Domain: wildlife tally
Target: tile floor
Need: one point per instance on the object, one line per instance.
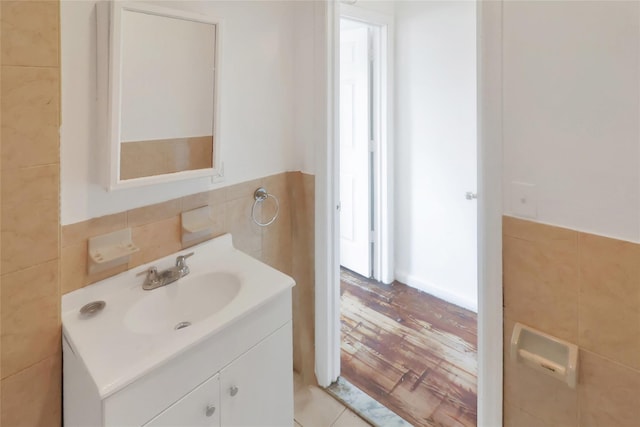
(313, 407)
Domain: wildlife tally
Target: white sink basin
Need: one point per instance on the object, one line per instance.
(182, 303)
(136, 331)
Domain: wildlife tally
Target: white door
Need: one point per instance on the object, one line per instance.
(355, 221)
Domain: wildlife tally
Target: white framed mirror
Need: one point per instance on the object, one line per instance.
(161, 90)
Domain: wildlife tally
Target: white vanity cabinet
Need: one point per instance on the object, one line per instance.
(135, 363)
(240, 376)
(201, 407)
(253, 390)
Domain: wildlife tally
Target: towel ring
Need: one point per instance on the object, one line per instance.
(260, 195)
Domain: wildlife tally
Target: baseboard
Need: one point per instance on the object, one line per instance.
(437, 291)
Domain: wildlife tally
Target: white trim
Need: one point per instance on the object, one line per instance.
(489, 30)
(437, 291)
(366, 16)
(327, 296)
(109, 74)
(385, 193)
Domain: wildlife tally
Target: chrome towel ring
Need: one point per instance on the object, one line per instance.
(260, 195)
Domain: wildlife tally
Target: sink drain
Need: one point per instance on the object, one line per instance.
(92, 308)
(182, 325)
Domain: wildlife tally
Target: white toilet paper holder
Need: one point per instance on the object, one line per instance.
(545, 353)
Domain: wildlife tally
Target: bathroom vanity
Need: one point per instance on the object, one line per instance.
(211, 349)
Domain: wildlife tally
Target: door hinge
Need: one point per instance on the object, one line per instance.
(372, 236)
(372, 146)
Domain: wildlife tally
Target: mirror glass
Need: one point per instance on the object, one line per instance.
(167, 93)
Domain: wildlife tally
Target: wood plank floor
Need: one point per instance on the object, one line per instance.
(412, 352)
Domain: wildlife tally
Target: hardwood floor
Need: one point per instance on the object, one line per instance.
(412, 352)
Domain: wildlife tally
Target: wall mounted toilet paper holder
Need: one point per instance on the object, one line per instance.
(545, 353)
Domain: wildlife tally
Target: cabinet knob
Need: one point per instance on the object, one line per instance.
(210, 410)
(233, 390)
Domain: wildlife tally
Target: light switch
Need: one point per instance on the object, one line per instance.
(524, 201)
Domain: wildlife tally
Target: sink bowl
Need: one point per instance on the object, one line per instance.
(182, 303)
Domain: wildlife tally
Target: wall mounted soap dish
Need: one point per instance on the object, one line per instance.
(110, 250)
(197, 220)
(197, 224)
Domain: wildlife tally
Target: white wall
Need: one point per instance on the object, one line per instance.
(436, 226)
(571, 111)
(256, 105)
(385, 7)
(307, 89)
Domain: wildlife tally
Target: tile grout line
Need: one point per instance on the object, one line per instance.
(44, 359)
(344, 408)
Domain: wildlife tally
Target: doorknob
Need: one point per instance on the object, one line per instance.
(210, 410)
(470, 195)
(233, 390)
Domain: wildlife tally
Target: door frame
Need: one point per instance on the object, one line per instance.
(382, 177)
(327, 294)
(327, 191)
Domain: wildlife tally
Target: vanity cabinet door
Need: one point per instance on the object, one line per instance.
(201, 407)
(257, 388)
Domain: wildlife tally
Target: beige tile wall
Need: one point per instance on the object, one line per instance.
(302, 191)
(287, 244)
(156, 229)
(585, 289)
(0, 216)
(29, 194)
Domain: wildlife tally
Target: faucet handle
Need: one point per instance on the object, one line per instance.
(151, 272)
(181, 259)
(181, 264)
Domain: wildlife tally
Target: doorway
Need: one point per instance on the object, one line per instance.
(489, 50)
(365, 175)
(357, 145)
(432, 267)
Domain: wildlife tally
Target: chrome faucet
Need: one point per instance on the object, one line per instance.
(156, 280)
